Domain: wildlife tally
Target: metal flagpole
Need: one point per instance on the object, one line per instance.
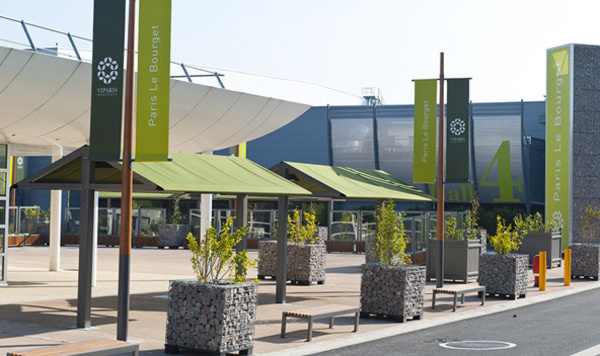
(126, 187)
(439, 276)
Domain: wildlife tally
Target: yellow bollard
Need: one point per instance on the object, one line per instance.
(542, 270)
(567, 267)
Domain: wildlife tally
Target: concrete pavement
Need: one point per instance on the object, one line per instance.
(38, 307)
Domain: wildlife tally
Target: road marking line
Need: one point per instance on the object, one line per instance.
(592, 351)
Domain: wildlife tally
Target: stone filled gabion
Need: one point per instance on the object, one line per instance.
(504, 274)
(585, 260)
(172, 234)
(210, 317)
(304, 262)
(267, 258)
(393, 291)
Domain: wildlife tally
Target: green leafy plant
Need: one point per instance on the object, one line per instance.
(506, 240)
(450, 230)
(214, 260)
(30, 213)
(302, 233)
(533, 223)
(590, 224)
(391, 238)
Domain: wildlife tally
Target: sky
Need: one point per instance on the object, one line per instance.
(326, 51)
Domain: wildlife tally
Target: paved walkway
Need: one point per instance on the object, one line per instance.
(38, 307)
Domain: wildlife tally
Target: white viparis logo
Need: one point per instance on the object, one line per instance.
(557, 216)
(457, 126)
(108, 70)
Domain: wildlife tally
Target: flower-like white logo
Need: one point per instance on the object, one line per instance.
(457, 126)
(108, 70)
(558, 218)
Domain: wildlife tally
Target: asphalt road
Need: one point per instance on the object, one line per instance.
(563, 326)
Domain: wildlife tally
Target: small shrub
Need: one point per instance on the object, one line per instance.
(533, 223)
(391, 238)
(506, 239)
(302, 233)
(213, 258)
(450, 230)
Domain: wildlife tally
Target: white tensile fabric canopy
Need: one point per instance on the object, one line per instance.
(45, 102)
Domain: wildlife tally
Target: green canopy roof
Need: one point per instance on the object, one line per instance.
(349, 183)
(184, 173)
(188, 172)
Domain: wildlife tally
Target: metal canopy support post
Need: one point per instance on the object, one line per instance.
(84, 291)
(241, 220)
(281, 276)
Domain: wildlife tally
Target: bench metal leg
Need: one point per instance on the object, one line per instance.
(455, 297)
(462, 298)
(331, 322)
(283, 322)
(483, 297)
(356, 321)
(310, 329)
(433, 303)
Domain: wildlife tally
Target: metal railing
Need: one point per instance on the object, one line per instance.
(83, 52)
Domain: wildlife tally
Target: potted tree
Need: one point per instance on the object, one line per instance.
(174, 232)
(539, 237)
(216, 312)
(306, 255)
(390, 288)
(306, 252)
(504, 273)
(585, 256)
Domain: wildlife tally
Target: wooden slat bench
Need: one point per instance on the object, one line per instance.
(319, 312)
(96, 347)
(460, 290)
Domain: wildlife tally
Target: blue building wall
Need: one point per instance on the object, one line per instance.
(305, 140)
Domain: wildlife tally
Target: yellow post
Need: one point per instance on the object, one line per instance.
(567, 267)
(542, 270)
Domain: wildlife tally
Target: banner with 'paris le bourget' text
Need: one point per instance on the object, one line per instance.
(425, 137)
(153, 81)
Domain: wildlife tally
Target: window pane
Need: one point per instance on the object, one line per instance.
(3, 156)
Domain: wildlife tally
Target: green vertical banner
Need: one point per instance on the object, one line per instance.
(425, 133)
(153, 81)
(558, 137)
(457, 131)
(106, 109)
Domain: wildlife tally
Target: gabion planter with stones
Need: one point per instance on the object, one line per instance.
(306, 263)
(504, 275)
(211, 318)
(394, 292)
(172, 235)
(585, 261)
(267, 259)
